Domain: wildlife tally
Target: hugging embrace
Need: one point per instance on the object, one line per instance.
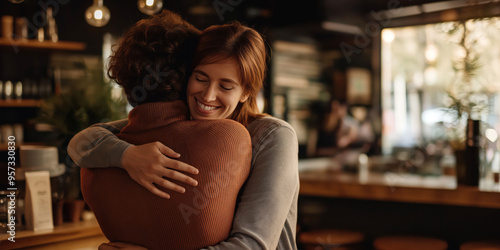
(195, 165)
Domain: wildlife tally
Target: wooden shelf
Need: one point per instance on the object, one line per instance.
(4, 147)
(65, 232)
(45, 45)
(23, 103)
(440, 190)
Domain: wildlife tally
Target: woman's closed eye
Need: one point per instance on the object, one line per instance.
(201, 79)
(227, 88)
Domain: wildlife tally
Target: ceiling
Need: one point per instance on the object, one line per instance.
(298, 17)
(285, 12)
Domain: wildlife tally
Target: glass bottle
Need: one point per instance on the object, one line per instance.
(51, 26)
(472, 150)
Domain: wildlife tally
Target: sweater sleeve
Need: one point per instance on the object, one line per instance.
(97, 146)
(270, 193)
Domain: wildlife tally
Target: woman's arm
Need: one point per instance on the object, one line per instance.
(97, 146)
(269, 197)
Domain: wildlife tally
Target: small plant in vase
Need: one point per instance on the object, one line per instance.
(468, 100)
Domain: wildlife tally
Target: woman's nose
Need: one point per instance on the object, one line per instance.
(209, 94)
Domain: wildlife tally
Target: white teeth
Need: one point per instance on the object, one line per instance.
(204, 107)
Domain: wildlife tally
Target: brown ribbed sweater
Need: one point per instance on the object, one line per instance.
(126, 211)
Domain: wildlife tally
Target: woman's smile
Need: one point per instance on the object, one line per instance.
(214, 90)
(205, 107)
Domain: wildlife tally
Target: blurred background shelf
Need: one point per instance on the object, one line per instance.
(24, 103)
(4, 147)
(45, 45)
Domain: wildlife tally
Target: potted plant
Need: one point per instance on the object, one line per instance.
(77, 107)
(468, 100)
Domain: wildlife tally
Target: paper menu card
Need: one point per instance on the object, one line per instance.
(38, 201)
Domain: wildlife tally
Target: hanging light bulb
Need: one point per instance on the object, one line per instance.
(97, 15)
(150, 7)
(16, 1)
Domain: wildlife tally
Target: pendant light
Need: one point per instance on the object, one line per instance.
(97, 15)
(150, 7)
(16, 1)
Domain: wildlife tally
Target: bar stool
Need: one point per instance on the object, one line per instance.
(409, 243)
(332, 239)
(481, 245)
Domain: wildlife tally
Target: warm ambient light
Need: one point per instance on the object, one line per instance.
(97, 15)
(342, 27)
(459, 53)
(388, 36)
(150, 7)
(430, 75)
(431, 53)
(491, 134)
(437, 115)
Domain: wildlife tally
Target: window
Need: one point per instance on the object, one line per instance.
(423, 68)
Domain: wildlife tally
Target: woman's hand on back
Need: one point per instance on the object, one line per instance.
(149, 163)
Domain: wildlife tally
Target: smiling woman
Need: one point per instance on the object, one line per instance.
(232, 53)
(214, 90)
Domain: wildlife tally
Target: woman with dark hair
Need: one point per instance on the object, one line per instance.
(229, 69)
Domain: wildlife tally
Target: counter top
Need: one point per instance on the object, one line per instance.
(394, 187)
(65, 232)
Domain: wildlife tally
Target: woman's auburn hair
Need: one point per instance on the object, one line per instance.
(151, 59)
(247, 48)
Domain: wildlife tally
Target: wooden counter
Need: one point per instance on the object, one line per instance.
(395, 187)
(87, 232)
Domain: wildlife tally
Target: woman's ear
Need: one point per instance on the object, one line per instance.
(244, 98)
